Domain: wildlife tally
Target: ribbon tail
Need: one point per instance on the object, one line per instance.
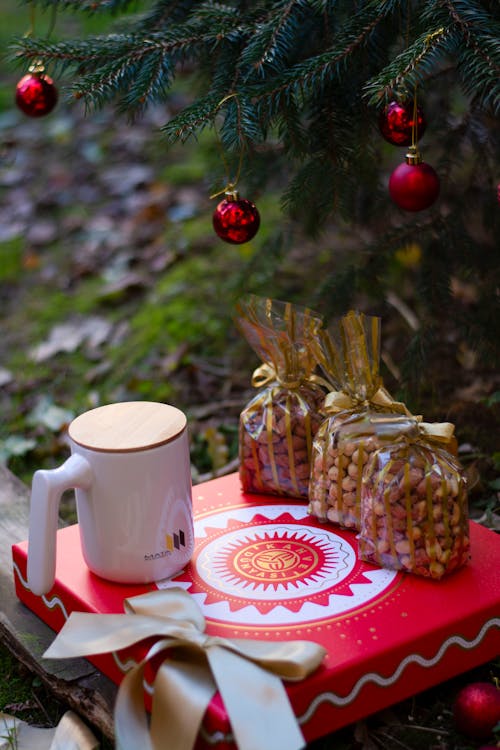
(131, 723)
(256, 702)
(182, 692)
(73, 734)
(85, 633)
(70, 734)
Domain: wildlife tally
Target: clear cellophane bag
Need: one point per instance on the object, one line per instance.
(349, 356)
(414, 512)
(277, 426)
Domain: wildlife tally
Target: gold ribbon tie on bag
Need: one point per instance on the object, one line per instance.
(337, 401)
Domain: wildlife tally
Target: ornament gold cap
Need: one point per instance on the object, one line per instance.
(37, 67)
(413, 157)
(231, 194)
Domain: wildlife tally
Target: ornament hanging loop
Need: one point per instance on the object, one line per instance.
(37, 67)
(229, 190)
(413, 156)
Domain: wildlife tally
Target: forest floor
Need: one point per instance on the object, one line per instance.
(113, 287)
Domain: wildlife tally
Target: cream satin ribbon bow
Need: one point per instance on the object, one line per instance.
(247, 673)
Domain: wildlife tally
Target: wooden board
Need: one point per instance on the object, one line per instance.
(73, 681)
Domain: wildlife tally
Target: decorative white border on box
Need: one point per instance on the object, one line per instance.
(328, 697)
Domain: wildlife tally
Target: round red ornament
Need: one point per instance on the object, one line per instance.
(236, 220)
(36, 94)
(477, 710)
(414, 185)
(396, 123)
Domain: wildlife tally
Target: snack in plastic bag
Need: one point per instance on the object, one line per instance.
(340, 455)
(349, 355)
(414, 513)
(278, 425)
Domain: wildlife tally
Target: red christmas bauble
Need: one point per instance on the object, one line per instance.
(236, 220)
(414, 186)
(477, 709)
(396, 123)
(36, 94)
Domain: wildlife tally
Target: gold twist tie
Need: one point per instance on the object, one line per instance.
(247, 673)
(437, 432)
(337, 401)
(266, 374)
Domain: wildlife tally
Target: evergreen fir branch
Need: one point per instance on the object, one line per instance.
(470, 16)
(152, 81)
(97, 89)
(419, 61)
(166, 12)
(63, 54)
(222, 63)
(316, 190)
(291, 132)
(415, 361)
(276, 39)
(321, 6)
(336, 292)
(240, 126)
(217, 13)
(192, 119)
(479, 82)
(480, 35)
(313, 73)
(89, 6)
(104, 60)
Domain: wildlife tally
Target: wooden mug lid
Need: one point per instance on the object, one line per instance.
(127, 426)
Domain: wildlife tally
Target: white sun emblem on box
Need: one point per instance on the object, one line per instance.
(273, 566)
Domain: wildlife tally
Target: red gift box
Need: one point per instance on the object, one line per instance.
(263, 568)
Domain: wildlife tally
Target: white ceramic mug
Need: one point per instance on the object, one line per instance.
(130, 469)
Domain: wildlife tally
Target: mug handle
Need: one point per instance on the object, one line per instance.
(46, 490)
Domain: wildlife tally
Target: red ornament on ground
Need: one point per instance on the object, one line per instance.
(36, 94)
(414, 185)
(396, 123)
(477, 710)
(236, 220)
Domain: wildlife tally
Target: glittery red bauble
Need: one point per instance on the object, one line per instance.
(414, 186)
(36, 94)
(477, 710)
(396, 123)
(236, 221)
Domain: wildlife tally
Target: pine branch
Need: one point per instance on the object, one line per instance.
(478, 55)
(318, 69)
(165, 12)
(88, 6)
(192, 119)
(277, 38)
(419, 61)
(481, 83)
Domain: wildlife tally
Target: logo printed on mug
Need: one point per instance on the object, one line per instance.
(131, 472)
